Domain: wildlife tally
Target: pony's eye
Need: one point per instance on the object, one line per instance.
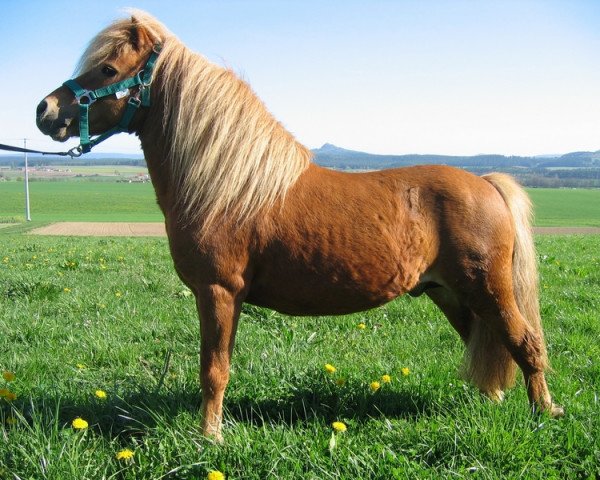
(108, 71)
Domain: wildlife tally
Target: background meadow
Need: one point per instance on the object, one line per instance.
(88, 314)
(105, 200)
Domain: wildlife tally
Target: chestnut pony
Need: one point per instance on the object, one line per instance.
(250, 218)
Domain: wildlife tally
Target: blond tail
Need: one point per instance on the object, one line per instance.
(525, 271)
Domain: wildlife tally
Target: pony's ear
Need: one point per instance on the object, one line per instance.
(138, 35)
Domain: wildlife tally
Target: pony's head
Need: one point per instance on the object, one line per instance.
(117, 53)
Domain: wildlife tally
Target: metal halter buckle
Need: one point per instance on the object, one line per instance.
(140, 79)
(75, 151)
(135, 100)
(89, 95)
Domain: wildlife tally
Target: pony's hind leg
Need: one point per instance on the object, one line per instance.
(502, 327)
(487, 362)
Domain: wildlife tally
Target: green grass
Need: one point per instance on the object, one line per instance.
(129, 320)
(566, 207)
(81, 201)
(123, 202)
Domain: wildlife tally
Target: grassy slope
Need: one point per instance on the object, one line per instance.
(125, 312)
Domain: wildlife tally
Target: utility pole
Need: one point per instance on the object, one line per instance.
(27, 212)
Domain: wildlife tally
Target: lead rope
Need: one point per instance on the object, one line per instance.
(71, 153)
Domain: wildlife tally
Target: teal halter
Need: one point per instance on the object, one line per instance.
(85, 98)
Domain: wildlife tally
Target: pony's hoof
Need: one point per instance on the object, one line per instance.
(553, 410)
(216, 438)
(496, 396)
(556, 411)
(213, 433)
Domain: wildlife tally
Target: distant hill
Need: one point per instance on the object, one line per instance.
(335, 157)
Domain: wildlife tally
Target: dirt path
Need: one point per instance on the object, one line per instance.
(567, 230)
(113, 229)
(102, 229)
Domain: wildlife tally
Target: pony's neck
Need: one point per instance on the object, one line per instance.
(212, 147)
(153, 146)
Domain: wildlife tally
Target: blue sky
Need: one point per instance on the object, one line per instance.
(448, 76)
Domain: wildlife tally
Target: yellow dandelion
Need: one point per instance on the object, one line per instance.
(386, 379)
(66, 290)
(81, 366)
(79, 424)
(361, 326)
(5, 260)
(215, 475)
(8, 376)
(330, 368)
(118, 294)
(8, 395)
(125, 454)
(101, 394)
(374, 386)
(405, 371)
(102, 267)
(339, 426)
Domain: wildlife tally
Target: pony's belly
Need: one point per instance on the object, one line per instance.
(323, 296)
(308, 306)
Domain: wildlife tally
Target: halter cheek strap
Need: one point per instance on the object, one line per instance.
(85, 98)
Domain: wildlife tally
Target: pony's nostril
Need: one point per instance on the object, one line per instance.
(41, 108)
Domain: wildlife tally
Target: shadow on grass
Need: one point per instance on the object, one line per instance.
(136, 413)
(323, 406)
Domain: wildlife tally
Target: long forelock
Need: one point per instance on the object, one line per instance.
(115, 39)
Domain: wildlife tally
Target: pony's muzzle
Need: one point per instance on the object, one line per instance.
(49, 121)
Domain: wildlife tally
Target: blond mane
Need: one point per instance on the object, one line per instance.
(227, 155)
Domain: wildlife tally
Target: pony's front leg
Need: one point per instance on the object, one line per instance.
(219, 311)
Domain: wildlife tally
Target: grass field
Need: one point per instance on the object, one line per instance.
(123, 202)
(80, 315)
(566, 207)
(81, 201)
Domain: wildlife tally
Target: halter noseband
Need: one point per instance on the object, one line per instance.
(85, 98)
